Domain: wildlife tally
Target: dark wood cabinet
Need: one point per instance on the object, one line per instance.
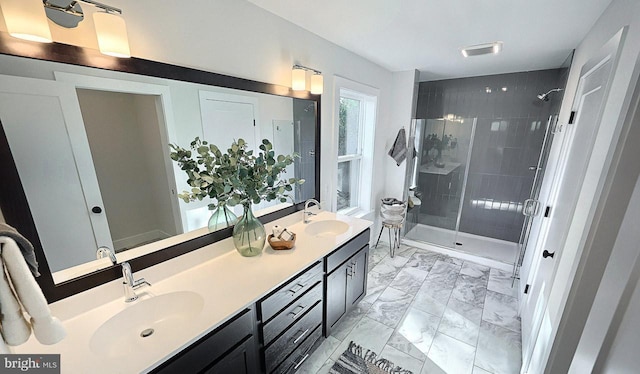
(346, 281)
(241, 360)
(336, 297)
(230, 345)
(357, 277)
(291, 321)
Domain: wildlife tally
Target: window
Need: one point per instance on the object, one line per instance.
(349, 151)
(355, 127)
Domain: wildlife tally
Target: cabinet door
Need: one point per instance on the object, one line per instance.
(336, 295)
(357, 277)
(242, 360)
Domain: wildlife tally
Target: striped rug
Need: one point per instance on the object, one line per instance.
(356, 361)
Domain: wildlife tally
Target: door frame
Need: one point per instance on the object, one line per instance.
(165, 119)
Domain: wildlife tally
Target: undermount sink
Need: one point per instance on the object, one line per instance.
(330, 227)
(152, 322)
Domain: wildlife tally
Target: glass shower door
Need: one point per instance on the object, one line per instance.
(438, 178)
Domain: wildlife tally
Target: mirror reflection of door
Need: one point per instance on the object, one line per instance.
(123, 131)
(58, 185)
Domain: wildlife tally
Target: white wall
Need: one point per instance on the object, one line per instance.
(593, 230)
(404, 91)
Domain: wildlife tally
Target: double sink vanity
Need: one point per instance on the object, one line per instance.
(214, 311)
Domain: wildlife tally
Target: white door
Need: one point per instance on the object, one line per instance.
(45, 131)
(225, 118)
(574, 154)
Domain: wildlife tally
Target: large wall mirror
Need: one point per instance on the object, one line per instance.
(86, 140)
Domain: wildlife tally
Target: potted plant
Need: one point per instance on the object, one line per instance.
(238, 176)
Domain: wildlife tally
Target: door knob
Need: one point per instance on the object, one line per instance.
(546, 254)
(96, 209)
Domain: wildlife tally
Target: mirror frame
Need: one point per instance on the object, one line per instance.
(13, 201)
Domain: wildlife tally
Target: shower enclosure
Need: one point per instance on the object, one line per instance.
(481, 146)
(438, 178)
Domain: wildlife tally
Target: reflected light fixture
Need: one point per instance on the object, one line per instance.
(26, 19)
(299, 79)
(482, 49)
(112, 34)
(110, 27)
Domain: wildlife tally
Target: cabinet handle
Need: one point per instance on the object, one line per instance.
(355, 267)
(294, 314)
(301, 361)
(300, 337)
(295, 290)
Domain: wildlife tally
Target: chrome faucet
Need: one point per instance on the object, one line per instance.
(308, 213)
(130, 284)
(106, 252)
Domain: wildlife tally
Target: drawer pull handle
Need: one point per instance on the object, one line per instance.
(300, 337)
(295, 290)
(301, 361)
(295, 312)
(355, 267)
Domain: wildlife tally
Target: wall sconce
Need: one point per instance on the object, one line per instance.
(299, 79)
(27, 19)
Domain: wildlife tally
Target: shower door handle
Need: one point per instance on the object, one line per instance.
(531, 207)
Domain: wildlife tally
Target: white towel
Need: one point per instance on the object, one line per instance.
(47, 329)
(15, 329)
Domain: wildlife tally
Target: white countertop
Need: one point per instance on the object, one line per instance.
(227, 282)
(432, 169)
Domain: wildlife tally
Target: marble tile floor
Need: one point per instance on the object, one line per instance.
(431, 313)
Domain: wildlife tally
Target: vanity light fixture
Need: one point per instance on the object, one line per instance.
(482, 49)
(27, 19)
(299, 79)
(317, 83)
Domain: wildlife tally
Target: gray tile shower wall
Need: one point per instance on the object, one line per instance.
(304, 133)
(511, 123)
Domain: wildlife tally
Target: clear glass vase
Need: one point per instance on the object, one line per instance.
(221, 218)
(249, 234)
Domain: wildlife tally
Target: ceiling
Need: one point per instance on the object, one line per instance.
(428, 34)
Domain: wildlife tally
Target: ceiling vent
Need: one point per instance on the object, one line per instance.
(482, 49)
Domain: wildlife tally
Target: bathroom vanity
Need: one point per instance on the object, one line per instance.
(214, 311)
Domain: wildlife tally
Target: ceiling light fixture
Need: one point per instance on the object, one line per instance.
(27, 19)
(482, 49)
(299, 79)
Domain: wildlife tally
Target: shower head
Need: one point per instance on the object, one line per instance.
(545, 96)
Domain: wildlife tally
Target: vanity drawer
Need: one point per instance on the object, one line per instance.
(293, 337)
(292, 313)
(300, 355)
(343, 253)
(290, 291)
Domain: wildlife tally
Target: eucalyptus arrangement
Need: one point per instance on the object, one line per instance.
(238, 176)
